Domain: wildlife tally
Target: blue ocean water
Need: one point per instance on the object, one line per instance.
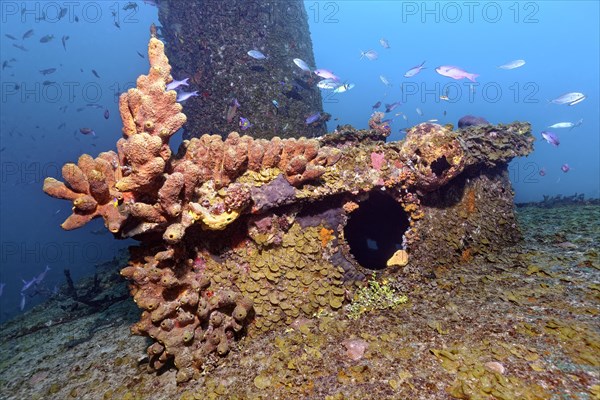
(39, 124)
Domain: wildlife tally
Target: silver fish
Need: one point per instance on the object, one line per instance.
(42, 275)
(343, 88)
(370, 55)
(562, 125)
(27, 285)
(183, 96)
(328, 84)
(302, 65)
(569, 125)
(570, 98)
(175, 84)
(257, 55)
(385, 81)
(512, 64)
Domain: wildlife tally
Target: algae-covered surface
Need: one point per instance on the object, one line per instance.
(521, 324)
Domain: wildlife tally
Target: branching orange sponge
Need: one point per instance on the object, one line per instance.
(90, 185)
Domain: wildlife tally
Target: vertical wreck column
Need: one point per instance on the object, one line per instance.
(209, 40)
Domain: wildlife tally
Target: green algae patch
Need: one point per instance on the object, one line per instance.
(374, 296)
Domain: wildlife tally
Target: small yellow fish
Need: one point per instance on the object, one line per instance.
(115, 202)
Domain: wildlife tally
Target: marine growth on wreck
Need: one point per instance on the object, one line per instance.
(241, 235)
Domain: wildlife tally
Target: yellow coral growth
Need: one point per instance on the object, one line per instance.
(399, 259)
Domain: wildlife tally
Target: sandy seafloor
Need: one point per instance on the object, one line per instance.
(532, 311)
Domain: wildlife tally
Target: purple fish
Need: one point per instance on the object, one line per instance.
(414, 70)
(376, 105)
(455, 73)
(175, 84)
(313, 118)
(27, 34)
(542, 172)
(390, 107)
(106, 114)
(244, 123)
(64, 41)
(183, 96)
(551, 138)
(471, 120)
(87, 131)
(2, 287)
(327, 74)
(565, 168)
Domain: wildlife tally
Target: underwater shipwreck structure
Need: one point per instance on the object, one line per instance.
(238, 236)
(208, 42)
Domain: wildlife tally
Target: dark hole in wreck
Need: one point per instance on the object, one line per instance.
(374, 232)
(440, 165)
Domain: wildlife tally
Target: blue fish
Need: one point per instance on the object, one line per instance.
(551, 138)
(313, 118)
(471, 120)
(390, 107)
(244, 123)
